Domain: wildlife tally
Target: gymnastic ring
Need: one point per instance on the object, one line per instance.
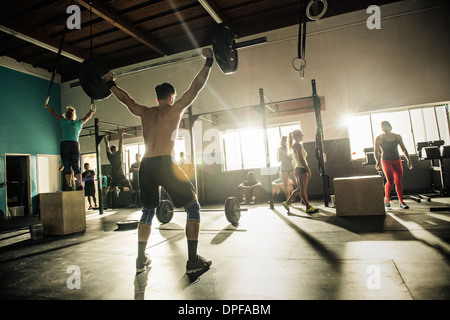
(302, 66)
(320, 15)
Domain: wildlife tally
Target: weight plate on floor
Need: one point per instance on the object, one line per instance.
(232, 212)
(164, 213)
(127, 224)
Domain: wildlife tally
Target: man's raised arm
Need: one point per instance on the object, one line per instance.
(121, 142)
(105, 137)
(198, 83)
(123, 96)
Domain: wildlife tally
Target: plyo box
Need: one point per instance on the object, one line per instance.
(63, 212)
(359, 196)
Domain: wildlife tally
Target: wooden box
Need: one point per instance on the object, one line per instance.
(362, 195)
(63, 212)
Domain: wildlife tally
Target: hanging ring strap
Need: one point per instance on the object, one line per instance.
(90, 27)
(302, 32)
(301, 54)
(301, 68)
(93, 105)
(320, 15)
(302, 64)
(50, 87)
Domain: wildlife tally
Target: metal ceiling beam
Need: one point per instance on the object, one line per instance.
(214, 11)
(42, 40)
(123, 24)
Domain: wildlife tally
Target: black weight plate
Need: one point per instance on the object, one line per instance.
(127, 224)
(90, 74)
(223, 45)
(231, 213)
(164, 213)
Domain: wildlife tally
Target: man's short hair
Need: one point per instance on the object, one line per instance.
(164, 90)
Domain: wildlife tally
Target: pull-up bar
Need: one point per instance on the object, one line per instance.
(115, 124)
(131, 132)
(316, 105)
(266, 104)
(99, 167)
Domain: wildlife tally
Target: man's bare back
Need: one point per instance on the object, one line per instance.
(160, 129)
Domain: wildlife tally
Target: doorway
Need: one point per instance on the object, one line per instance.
(18, 185)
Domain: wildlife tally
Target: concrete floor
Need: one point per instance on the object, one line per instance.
(270, 255)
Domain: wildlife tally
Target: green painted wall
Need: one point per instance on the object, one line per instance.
(25, 126)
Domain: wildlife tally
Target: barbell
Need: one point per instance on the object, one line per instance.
(91, 73)
(165, 211)
(224, 45)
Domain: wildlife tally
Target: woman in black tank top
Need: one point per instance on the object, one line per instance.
(388, 143)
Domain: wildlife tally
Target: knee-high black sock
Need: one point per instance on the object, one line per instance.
(192, 249)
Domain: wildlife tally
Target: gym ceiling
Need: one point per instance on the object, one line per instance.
(125, 32)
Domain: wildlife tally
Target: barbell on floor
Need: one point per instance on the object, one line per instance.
(165, 211)
(91, 71)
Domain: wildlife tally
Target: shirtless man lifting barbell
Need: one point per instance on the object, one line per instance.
(157, 169)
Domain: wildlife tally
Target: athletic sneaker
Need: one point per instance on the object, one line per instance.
(286, 205)
(197, 268)
(142, 264)
(312, 210)
(387, 203)
(404, 206)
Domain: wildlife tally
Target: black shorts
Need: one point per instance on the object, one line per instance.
(120, 182)
(299, 171)
(70, 156)
(89, 191)
(162, 172)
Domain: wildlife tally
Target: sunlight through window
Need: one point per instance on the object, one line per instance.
(360, 132)
(232, 150)
(245, 149)
(253, 150)
(414, 125)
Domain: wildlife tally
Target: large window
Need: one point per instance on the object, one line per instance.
(245, 148)
(242, 149)
(414, 125)
(400, 123)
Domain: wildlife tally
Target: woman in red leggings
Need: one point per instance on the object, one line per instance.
(388, 143)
